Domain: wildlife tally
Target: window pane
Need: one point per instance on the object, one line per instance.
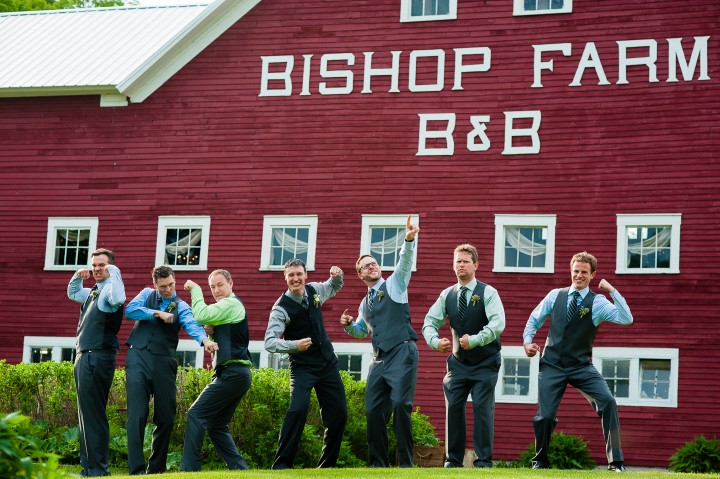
(67, 354)
(185, 358)
(385, 244)
(288, 243)
(278, 361)
(71, 247)
(255, 359)
(655, 378)
(516, 376)
(525, 247)
(351, 363)
(617, 376)
(182, 246)
(41, 355)
(649, 247)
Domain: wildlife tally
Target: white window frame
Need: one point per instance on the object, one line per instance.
(537, 221)
(518, 352)
(635, 355)
(363, 348)
(165, 222)
(294, 221)
(406, 8)
(519, 9)
(385, 221)
(60, 223)
(192, 345)
(648, 220)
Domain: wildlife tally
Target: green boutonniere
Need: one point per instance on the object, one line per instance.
(170, 307)
(475, 299)
(93, 294)
(380, 296)
(583, 312)
(316, 300)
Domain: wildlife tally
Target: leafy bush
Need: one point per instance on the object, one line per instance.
(701, 455)
(566, 451)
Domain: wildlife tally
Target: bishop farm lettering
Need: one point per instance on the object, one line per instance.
(435, 130)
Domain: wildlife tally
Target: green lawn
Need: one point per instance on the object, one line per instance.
(415, 473)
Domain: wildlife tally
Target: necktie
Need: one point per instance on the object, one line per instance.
(572, 307)
(305, 302)
(462, 302)
(370, 298)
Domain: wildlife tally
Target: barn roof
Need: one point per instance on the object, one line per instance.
(121, 53)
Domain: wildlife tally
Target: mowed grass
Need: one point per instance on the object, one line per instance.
(417, 473)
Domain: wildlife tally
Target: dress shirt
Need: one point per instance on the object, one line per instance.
(397, 288)
(602, 310)
(111, 290)
(226, 311)
(494, 311)
(137, 311)
(279, 317)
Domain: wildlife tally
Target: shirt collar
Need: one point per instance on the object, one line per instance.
(471, 285)
(583, 292)
(377, 285)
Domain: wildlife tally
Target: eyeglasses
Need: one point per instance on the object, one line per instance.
(368, 265)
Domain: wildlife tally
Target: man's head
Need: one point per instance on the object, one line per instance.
(221, 284)
(295, 276)
(582, 269)
(101, 258)
(164, 281)
(465, 262)
(368, 269)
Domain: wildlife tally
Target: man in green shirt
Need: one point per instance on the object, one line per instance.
(214, 408)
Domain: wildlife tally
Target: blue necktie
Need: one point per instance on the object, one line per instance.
(462, 302)
(572, 307)
(370, 298)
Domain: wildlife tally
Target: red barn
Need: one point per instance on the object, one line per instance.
(242, 133)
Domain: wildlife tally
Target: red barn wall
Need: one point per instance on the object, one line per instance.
(205, 143)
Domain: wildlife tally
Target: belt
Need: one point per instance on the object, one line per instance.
(104, 350)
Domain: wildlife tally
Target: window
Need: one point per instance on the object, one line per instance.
(541, 7)
(382, 236)
(288, 237)
(182, 242)
(69, 243)
(524, 244)
(427, 10)
(352, 363)
(517, 381)
(39, 349)
(640, 377)
(648, 244)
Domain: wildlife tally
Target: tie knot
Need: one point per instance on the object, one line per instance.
(463, 289)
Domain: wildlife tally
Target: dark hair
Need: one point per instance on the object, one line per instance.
(291, 263)
(106, 252)
(163, 271)
(584, 257)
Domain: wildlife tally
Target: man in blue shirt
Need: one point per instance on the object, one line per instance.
(151, 366)
(97, 346)
(575, 314)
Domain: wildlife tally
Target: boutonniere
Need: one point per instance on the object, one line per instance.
(475, 298)
(380, 296)
(316, 300)
(583, 312)
(170, 307)
(93, 294)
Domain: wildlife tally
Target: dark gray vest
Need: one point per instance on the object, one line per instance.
(97, 329)
(307, 324)
(569, 343)
(155, 334)
(475, 319)
(389, 321)
(232, 340)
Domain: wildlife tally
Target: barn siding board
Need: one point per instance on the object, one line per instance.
(205, 143)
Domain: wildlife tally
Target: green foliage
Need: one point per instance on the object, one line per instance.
(700, 455)
(46, 393)
(566, 451)
(28, 5)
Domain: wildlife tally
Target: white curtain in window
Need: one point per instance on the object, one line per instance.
(289, 242)
(523, 243)
(75, 236)
(650, 245)
(183, 245)
(382, 247)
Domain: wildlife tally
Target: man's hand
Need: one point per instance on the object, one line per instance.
(84, 273)
(605, 287)
(335, 272)
(345, 319)
(210, 346)
(190, 284)
(444, 345)
(411, 230)
(209, 330)
(164, 317)
(304, 344)
(531, 349)
(465, 342)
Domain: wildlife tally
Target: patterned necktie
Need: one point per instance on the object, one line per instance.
(370, 298)
(462, 302)
(572, 307)
(305, 302)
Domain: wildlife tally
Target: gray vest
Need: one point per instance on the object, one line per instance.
(97, 329)
(473, 322)
(569, 343)
(389, 321)
(154, 334)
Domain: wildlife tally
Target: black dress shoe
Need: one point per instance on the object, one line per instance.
(540, 465)
(449, 464)
(616, 467)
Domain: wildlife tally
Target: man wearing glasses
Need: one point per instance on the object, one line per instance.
(390, 389)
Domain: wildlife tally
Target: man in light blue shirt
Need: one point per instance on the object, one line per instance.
(575, 314)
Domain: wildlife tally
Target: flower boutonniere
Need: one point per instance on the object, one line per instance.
(380, 296)
(316, 300)
(170, 307)
(93, 294)
(583, 312)
(475, 298)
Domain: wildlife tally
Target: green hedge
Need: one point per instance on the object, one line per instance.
(46, 393)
